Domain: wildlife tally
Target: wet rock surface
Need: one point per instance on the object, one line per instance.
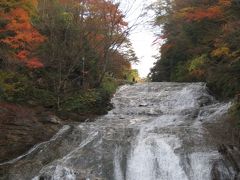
(21, 128)
(156, 131)
(229, 166)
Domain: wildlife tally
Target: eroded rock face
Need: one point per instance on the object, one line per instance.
(21, 128)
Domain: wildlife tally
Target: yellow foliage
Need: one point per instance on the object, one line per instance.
(197, 62)
(219, 52)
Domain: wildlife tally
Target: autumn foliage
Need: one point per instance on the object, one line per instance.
(198, 14)
(20, 35)
(66, 55)
(201, 43)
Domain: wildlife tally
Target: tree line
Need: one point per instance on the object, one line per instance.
(67, 55)
(200, 42)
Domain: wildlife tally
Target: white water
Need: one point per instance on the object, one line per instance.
(153, 158)
(156, 131)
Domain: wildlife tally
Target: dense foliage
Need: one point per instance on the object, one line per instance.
(201, 42)
(63, 54)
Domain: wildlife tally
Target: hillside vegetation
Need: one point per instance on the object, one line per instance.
(64, 55)
(201, 42)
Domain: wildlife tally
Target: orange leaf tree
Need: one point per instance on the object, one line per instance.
(18, 35)
(110, 31)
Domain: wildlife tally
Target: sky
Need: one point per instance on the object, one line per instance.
(142, 44)
(143, 36)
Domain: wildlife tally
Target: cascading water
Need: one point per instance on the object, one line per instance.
(156, 131)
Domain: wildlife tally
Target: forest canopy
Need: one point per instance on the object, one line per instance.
(63, 54)
(201, 43)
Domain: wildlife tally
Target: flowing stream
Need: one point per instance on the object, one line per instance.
(156, 131)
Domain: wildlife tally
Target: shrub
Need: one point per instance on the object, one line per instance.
(43, 97)
(13, 86)
(82, 102)
(109, 85)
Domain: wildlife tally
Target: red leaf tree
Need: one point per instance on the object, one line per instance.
(19, 35)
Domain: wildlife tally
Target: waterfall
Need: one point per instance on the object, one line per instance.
(156, 131)
(153, 158)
